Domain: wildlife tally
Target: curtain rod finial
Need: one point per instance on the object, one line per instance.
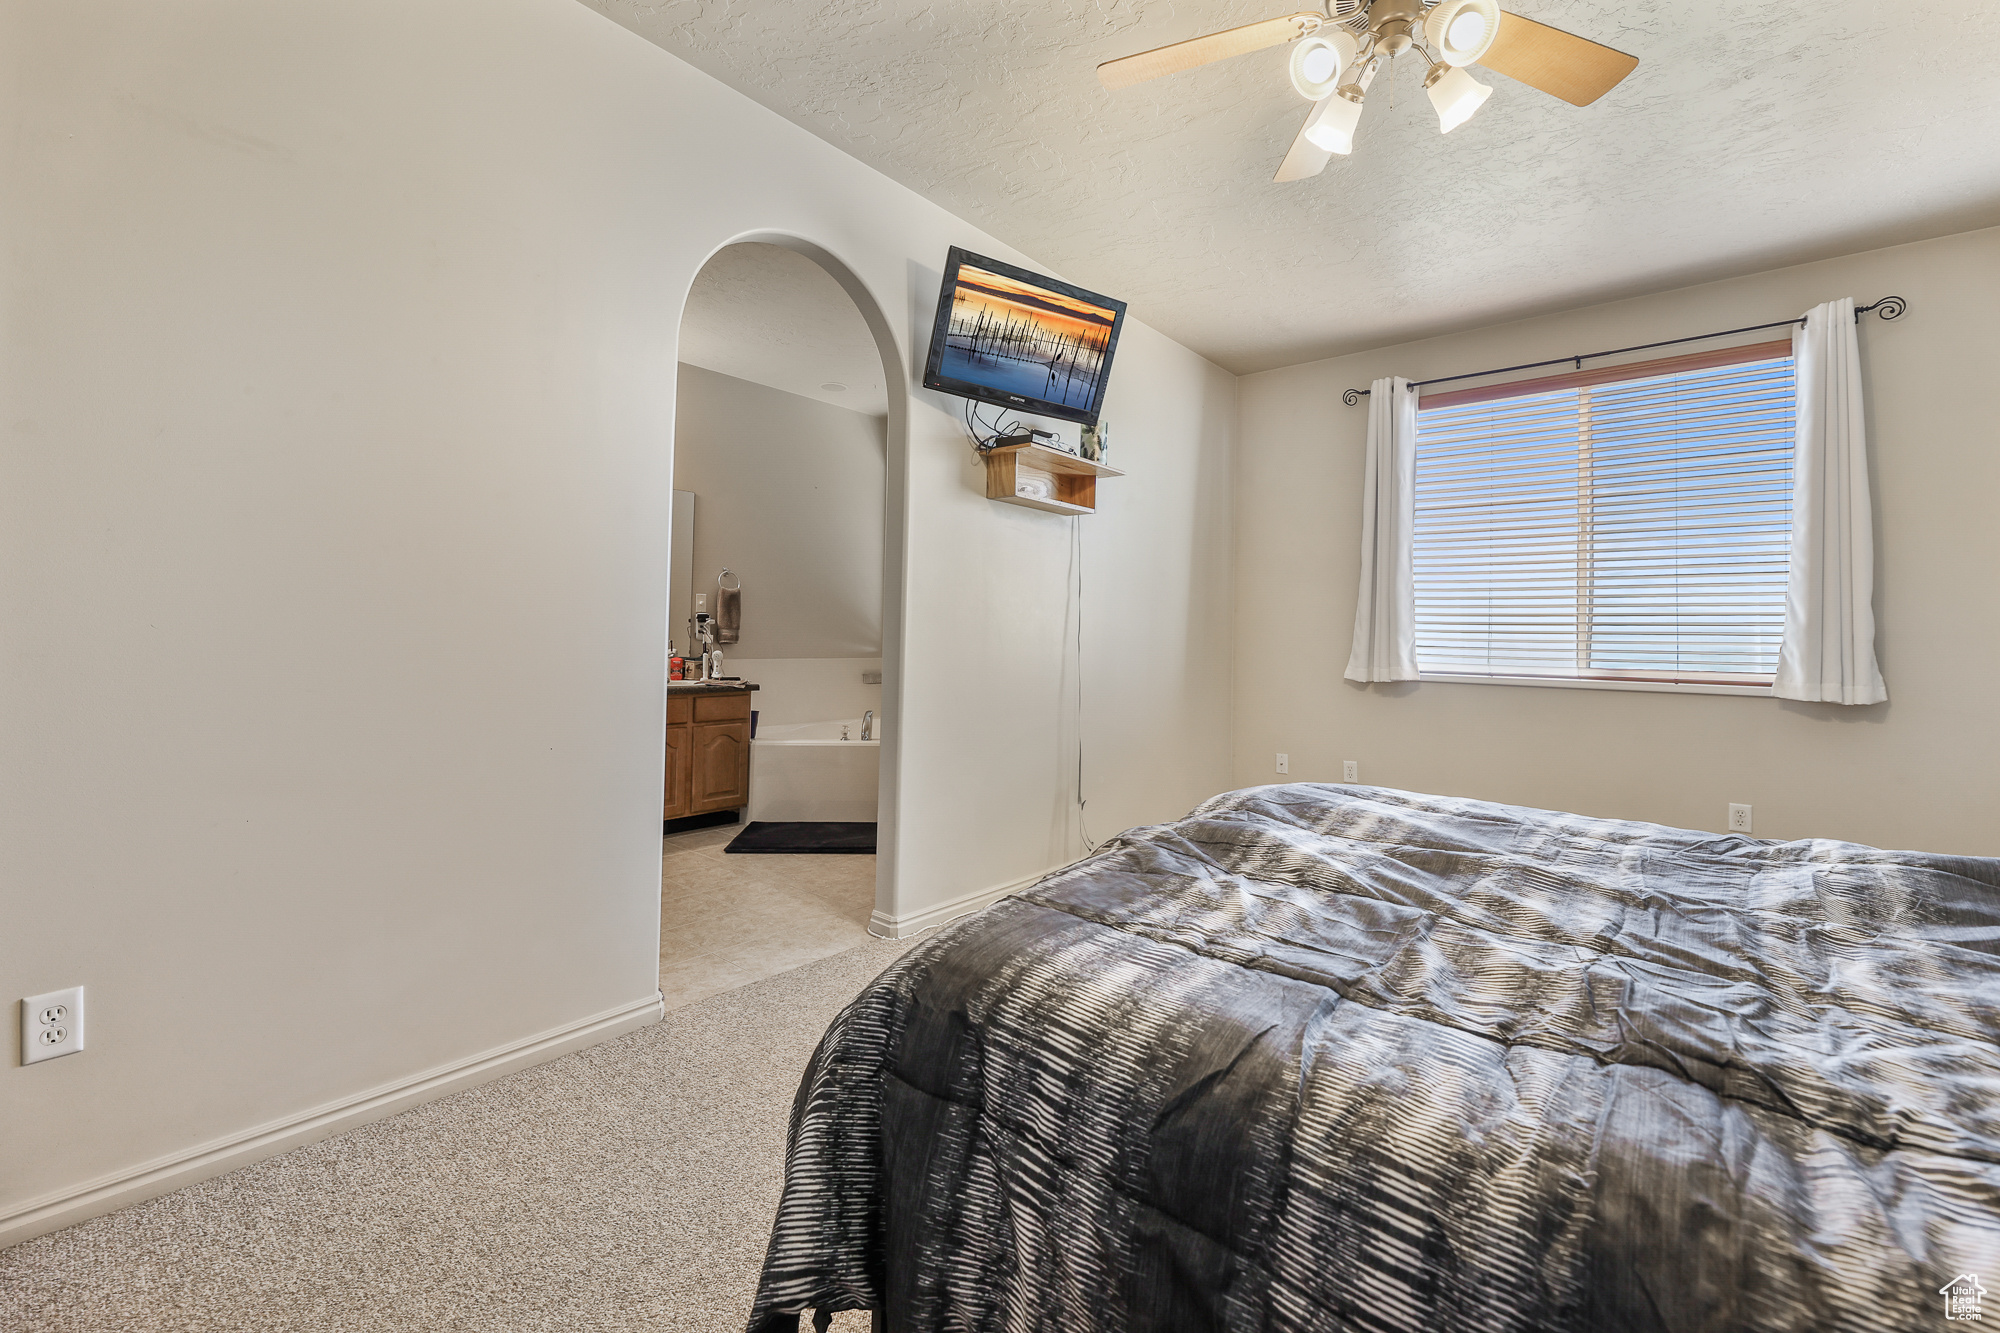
(1353, 396)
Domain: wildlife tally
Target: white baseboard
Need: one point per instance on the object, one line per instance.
(162, 1175)
(902, 927)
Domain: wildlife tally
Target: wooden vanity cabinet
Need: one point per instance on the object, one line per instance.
(708, 752)
(680, 775)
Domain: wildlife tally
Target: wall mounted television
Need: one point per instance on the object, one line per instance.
(1008, 336)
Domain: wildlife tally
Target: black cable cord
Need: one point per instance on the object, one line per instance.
(973, 426)
(984, 437)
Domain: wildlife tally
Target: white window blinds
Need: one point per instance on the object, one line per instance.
(1628, 524)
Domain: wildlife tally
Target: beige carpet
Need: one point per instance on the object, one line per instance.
(629, 1186)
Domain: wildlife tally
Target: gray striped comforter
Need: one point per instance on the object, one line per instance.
(1325, 1058)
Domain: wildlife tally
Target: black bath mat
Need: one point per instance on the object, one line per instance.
(822, 838)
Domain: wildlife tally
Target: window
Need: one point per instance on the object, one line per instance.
(1621, 525)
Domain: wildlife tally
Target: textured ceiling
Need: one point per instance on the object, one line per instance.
(1755, 133)
(771, 316)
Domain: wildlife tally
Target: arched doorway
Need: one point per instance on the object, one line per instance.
(789, 472)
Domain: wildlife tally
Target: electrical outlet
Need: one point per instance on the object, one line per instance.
(1350, 770)
(1284, 763)
(51, 1025)
(1739, 819)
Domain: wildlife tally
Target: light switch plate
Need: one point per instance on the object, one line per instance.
(51, 1025)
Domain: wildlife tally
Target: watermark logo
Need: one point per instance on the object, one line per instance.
(1961, 1297)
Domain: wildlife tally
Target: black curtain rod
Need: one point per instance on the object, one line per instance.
(1890, 306)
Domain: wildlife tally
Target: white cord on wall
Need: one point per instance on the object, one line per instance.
(1076, 568)
(982, 438)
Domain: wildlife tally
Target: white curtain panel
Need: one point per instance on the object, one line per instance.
(1828, 651)
(1385, 616)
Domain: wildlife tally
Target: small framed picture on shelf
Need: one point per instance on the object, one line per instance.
(1093, 443)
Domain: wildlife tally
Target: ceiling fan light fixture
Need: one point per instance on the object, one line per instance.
(1330, 127)
(1460, 31)
(1456, 95)
(1317, 62)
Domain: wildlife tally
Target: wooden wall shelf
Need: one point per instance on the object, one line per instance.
(1071, 481)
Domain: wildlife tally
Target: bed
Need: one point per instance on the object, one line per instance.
(1322, 1058)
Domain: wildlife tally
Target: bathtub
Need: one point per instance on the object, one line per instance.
(804, 771)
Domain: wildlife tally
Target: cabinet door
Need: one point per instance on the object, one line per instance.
(721, 766)
(680, 773)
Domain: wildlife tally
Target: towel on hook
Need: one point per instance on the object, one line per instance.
(728, 609)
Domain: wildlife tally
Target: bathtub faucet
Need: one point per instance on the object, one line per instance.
(868, 725)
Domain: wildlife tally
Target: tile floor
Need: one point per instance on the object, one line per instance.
(726, 921)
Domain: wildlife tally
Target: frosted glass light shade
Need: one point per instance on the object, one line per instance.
(1331, 125)
(1317, 61)
(1460, 31)
(1456, 96)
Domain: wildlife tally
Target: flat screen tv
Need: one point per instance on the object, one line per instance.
(1008, 336)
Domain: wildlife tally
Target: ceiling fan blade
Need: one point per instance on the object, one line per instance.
(1305, 159)
(1559, 63)
(1128, 70)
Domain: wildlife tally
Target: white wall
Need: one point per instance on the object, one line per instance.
(788, 496)
(774, 317)
(1917, 771)
(339, 350)
(810, 689)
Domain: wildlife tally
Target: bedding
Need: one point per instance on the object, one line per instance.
(1326, 1058)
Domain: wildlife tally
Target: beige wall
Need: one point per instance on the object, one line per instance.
(811, 689)
(334, 495)
(1918, 771)
(788, 495)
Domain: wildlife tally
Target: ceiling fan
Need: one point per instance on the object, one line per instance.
(1338, 53)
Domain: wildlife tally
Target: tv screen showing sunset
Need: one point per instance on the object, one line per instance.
(1017, 338)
